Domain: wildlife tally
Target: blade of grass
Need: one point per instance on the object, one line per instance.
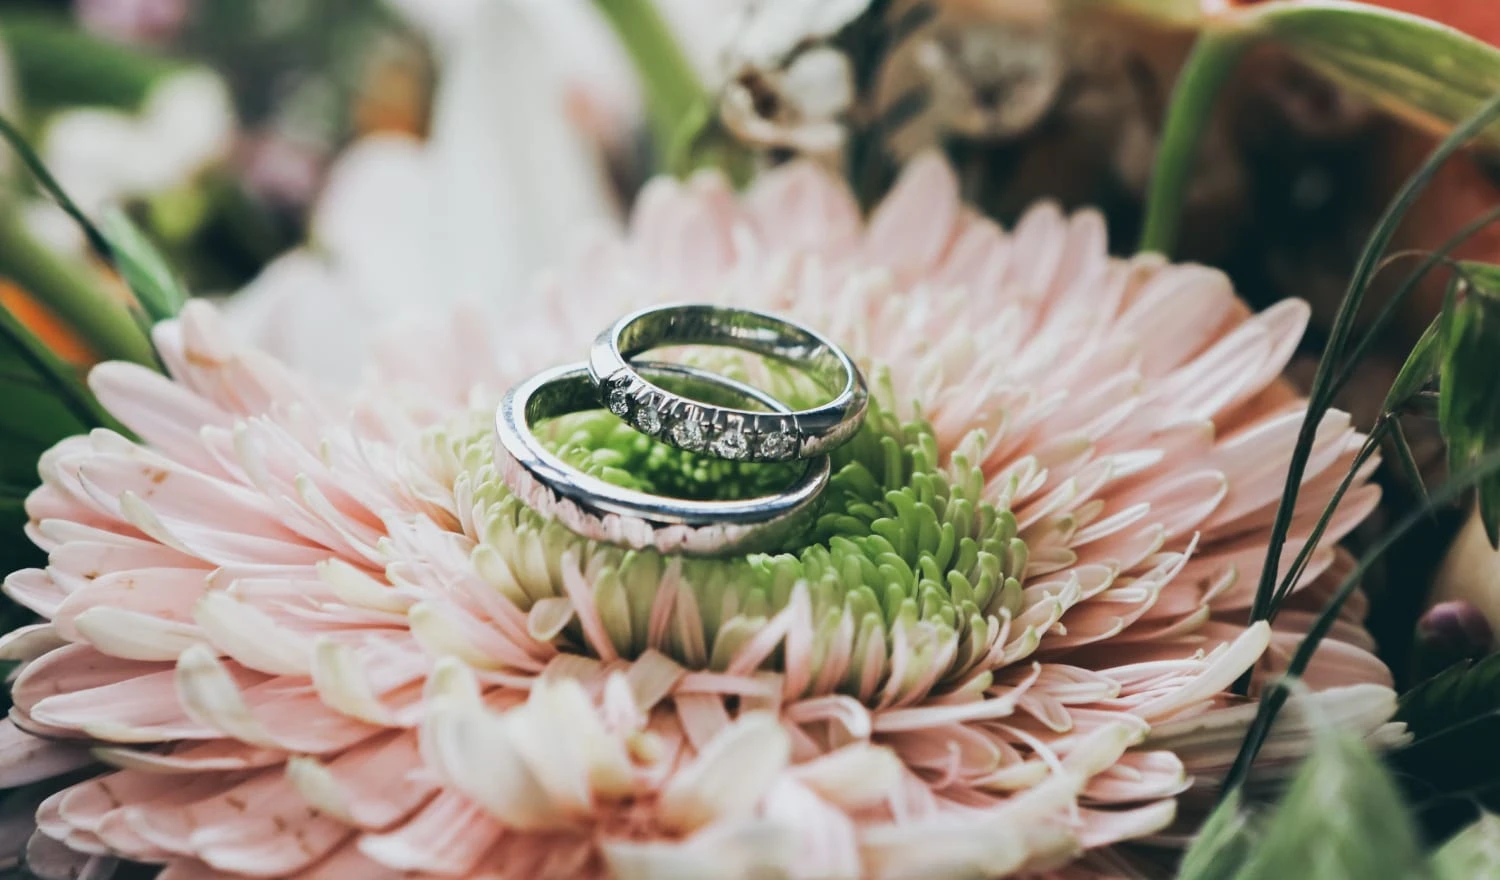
(54, 189)
(157, 289)
(1408, 461)
(1321, 393)
(56, 373)
(1278, 690)
(1294, 574)
(107, 325)
(1421, 367)
(24, 380)
(70, 292)
(1387, 312)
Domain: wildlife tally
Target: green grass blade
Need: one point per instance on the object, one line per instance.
(1321, 393)
(1277, 692)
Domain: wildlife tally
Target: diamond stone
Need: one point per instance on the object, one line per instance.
(688, 435)
(731, 445)
(778, 444)
(619, 401)
(648, 419)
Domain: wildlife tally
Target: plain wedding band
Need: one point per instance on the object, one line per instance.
(602, 511)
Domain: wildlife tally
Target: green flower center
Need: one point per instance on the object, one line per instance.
(904, 551)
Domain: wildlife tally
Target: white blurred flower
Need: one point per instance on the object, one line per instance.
(994, 80)
(598, 83)
(773, 29)
(787, 89)
(505, 186)
(987, 69)
(796, 108)
(102, 156)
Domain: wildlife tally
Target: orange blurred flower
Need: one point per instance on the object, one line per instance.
(1477, 18)
(63, 340)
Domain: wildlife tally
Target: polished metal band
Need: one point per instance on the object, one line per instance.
(724, 432)
(605, 512)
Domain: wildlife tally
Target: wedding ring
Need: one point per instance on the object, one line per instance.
(605, 512)
(722, 432)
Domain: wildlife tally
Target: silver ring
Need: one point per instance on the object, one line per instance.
(605, 512)
(734, 434)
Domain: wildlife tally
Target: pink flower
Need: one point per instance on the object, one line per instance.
(317, 638)
(134, 21)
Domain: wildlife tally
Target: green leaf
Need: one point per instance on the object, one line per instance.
(1222, 845)
(117, 240)
(1483, 278)
(1421, 367)
(72, 295)
(16, 550)
(1452, 697)
(1468, 408)
(1425, 72)
(1342, 819)
(1488, 492)
(1472, 853)
(59, 64)
(1454, 719)
(153, 282)
(38, 368)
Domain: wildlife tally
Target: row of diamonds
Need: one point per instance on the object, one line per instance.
(693, 431)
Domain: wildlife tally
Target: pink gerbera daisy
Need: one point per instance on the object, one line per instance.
(315, 637)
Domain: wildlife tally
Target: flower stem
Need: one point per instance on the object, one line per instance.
(67, 291)
(1214, 58)
(671, 85)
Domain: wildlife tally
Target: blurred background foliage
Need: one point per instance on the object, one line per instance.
(303, 80)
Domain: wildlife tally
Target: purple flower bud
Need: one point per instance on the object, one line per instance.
(1455, 629)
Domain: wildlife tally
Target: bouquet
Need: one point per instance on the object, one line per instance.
(734, 439)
